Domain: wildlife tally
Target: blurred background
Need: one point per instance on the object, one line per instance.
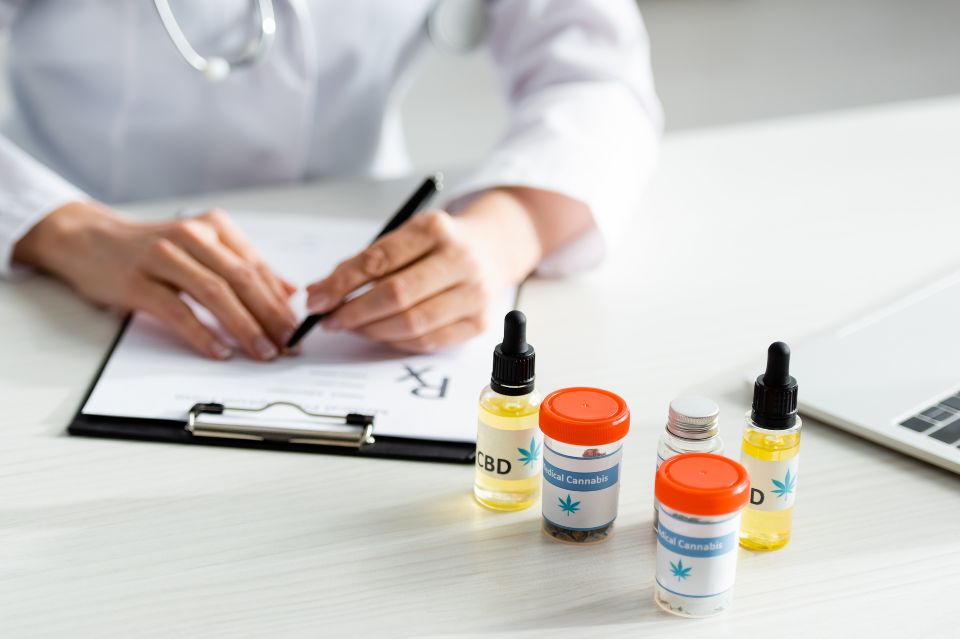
(722, 61)
(718, 62)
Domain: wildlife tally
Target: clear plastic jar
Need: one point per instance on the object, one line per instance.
(692, 427)
(583, 431)
(701, 497)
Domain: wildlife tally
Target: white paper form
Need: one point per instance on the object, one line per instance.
(153, 375)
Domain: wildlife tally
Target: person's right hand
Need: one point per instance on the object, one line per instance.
(118, 262)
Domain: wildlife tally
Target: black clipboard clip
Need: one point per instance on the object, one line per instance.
(359, 435)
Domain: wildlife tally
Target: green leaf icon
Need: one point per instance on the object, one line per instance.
(569, 506)
(528, 456)
(680, 571)
(784, 488)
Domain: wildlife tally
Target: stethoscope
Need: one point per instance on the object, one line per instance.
(453, 25)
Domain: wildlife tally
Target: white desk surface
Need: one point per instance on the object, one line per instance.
(749, 234)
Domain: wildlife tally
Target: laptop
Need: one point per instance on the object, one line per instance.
(892, 377)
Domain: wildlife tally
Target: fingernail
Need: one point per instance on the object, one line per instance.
(264, 348)
(286, 335)
(317, 303)
(331, 324)
(220, 350)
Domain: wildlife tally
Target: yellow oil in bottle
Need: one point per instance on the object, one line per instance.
(513, 421)
(769, 529)
(509, 443)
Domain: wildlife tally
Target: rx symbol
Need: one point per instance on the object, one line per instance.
(423, 388)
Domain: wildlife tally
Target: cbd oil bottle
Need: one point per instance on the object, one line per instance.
(771, 455)
(509, 442)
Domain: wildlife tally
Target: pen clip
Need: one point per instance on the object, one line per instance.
(360, 434)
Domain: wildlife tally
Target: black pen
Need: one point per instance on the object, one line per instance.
(419, 198)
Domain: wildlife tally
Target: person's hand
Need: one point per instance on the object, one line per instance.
(433, 280)
(130, 265)
(432, 286)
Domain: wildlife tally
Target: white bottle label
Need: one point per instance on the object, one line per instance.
(509, 454)
(696, 559)
(773, 484)
(580, 493)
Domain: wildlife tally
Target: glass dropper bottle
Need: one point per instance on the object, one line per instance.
(509, 442)
(771, 454)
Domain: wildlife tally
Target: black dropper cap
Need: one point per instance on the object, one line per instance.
(513, 359)
(775, 392)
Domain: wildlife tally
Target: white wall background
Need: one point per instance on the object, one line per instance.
(720, 61)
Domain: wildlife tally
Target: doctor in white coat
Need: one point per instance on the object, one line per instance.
(116, 101)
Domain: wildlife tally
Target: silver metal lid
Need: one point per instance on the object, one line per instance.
(693, 418)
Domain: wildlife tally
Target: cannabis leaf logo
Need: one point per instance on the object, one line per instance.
(680, 571)
(785, 487)
(569, 506)
(528, 456)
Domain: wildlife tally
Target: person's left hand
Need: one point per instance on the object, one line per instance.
(433, 281)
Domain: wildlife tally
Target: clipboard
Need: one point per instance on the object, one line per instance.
(151, 387)
(357, 435)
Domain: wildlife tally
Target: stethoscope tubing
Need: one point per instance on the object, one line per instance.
(255, 51)
(444, 27)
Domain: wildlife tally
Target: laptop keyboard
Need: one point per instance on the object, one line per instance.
(941, 421)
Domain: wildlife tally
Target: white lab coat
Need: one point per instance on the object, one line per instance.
(105, 107)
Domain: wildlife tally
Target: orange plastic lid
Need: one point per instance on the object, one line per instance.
(702, 484)
(584, 416)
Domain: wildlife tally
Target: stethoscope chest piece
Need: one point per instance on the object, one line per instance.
(458, 26)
